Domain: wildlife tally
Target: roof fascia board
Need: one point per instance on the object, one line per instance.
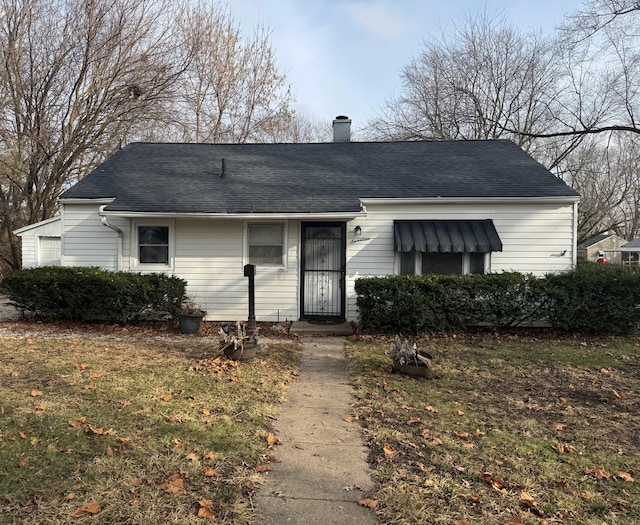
(470, 200)
(264, 216)
(36, 225)
(88, 201)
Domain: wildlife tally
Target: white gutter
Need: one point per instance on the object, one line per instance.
(471, 200)
(104, 220)
(203, 215)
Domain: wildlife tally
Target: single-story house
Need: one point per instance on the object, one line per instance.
(313, 218)
(630, 252)
(603, 245)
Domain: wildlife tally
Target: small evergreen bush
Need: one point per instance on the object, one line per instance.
(92, 294)
(595, 298)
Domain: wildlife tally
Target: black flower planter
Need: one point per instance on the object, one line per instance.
(411, 369)
(245, 352)
(190, 323)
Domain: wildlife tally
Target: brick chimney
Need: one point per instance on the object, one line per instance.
(341, 129)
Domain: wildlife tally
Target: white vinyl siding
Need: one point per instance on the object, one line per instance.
(537, 237)
(88, 242)
(29, 252)
(210, 253)
(210, 256)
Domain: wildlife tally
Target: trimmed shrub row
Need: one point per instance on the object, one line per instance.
(593, 298)
(91, 294)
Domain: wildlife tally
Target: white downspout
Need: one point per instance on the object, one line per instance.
(104, 220)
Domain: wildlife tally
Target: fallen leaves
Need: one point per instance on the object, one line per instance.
(528, 500)
(205, 509)
(174, 485)
(564, 448)
(93, 507)
(368, 502)
(388, 450)
(272, 440)
(497, 483)
(625, 476)
(598, 473)
(217, 366)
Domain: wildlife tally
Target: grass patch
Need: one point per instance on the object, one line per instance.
(154, 430)
(508, 428)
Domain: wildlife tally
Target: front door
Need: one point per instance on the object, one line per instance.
(323, 270)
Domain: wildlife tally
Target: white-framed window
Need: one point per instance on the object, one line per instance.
(266, 244)
(419, 263)
(152, 245)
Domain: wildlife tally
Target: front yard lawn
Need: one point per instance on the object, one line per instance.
(143, 431)
(510, 430)
(146, 430)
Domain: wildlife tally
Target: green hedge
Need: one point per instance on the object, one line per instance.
(91, 294)
(594, 298)
(438, 303)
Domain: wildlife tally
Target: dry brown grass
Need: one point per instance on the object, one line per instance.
(152, 430)
(509, 430)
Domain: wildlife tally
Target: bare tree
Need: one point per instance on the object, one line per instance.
(483, 80)
(77, 77)
(601, 38)
(233, 90)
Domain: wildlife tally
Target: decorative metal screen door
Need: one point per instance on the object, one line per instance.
(323, 270)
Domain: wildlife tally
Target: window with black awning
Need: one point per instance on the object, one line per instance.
(447, 236)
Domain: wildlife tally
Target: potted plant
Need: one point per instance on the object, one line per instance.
(239, 346)
(190, 316)
(408, 359)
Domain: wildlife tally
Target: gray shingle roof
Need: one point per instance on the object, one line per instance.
(593, 240)
(314, 178)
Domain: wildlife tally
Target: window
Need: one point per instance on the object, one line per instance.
(455, 247)
(266, 244)
(418, 263)
(442, 263)
(153, 245)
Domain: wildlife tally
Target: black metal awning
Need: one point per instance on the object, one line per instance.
(446, 236)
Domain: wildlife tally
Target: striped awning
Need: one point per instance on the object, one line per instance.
(446, 236)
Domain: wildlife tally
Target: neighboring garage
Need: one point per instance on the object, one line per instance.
(41, 244)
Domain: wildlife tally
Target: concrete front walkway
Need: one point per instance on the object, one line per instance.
(323, 471)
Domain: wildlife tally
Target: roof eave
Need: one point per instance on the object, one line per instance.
(562, 199)
(87, 200)
(25, 229)
(263, 216)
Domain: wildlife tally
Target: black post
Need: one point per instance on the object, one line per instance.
(250, 272)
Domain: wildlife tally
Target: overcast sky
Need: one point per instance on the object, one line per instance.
(344, 57)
